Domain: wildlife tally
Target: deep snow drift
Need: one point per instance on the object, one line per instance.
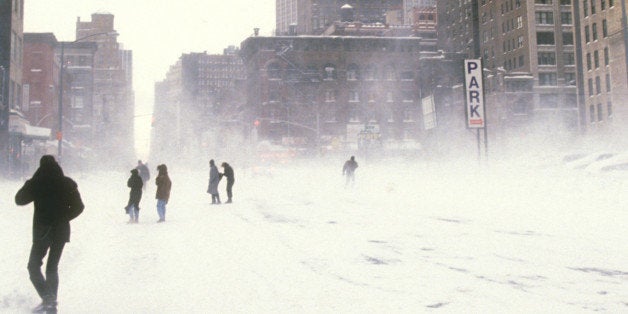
(409, 237)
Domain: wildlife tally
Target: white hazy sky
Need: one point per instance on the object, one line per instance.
(157, 32)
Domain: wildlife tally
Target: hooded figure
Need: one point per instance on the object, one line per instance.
(57, 201)
(133, 207)
(228, 173)
(143, 172)
(163, 191)
(214, 179)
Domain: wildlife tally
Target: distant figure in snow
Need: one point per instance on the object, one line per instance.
(143, 172)
(57, 201)
(348, 170)
(228, 173)
(163, 191)
(133, 207)
(214, 179)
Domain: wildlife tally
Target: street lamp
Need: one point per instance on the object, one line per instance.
(61, 72)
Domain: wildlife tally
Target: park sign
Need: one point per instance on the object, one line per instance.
(474, 93)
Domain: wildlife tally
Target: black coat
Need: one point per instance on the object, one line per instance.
(57, 201)
(228, 173)
(135, 183)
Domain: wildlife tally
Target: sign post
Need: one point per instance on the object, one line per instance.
(474, 105)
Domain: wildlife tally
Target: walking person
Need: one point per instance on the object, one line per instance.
(348, 170)
(214, 179)
(57, 201)
(163, 191)
(143, 172)
(228, 173)
(133, 207)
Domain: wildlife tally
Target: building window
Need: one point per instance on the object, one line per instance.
(594, 31)
(547, 79)
(590, 87)
(596, 59)
(543, 1)
(544, 18)
(547, 58)
(567, 39)
(600, 114)
(519, 41)
(545, 38)
(602, 5)
(569, 58)
(570, 78)
(588, 61)
(352, 72)
(592, 114)
(565, 18)
(609, 110)
(519, 22)
(608, 82)
(389, 73)
(354, 96)
(329, 72)
(585, 7)
(604, 28)
(330, 96)
(611, 3)
(587, 35)
(521, 61)
(370, 73)
(606, 56)
(593, 6)
(598, 85)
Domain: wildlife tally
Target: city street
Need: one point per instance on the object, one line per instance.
(411, 236)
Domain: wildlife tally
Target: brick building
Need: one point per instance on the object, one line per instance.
(310, 90)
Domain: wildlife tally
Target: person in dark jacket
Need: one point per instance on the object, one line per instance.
(133, 207)
(348, 170)
(228, 173)
(57, 201)
(163, 191)
(214, 179)
(143, 172)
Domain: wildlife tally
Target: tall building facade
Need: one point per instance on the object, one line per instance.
(604, 73)
(197, 106)
(528, 53)
(113, 103)
(294, 17)
(411, 6)
(11, 52)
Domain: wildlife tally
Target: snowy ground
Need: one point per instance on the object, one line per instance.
(409, 237)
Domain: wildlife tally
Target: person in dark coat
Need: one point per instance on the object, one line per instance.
(143, 172)
(214, 179)
(228, 173)
(163, 191)
(348, 170)
(57, 201)
(133, 207)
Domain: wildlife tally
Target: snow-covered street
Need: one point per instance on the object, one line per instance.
(409, 237)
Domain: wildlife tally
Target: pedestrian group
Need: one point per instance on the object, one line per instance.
(57, 201)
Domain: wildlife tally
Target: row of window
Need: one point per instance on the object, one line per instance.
(600, 112)
(598, 85)
(353, 72)
(354, 96)
(596, 59)
(547, 38)
(593, 7)
(547, 18)
(549, 58)
(562, 2)
(591, 34)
